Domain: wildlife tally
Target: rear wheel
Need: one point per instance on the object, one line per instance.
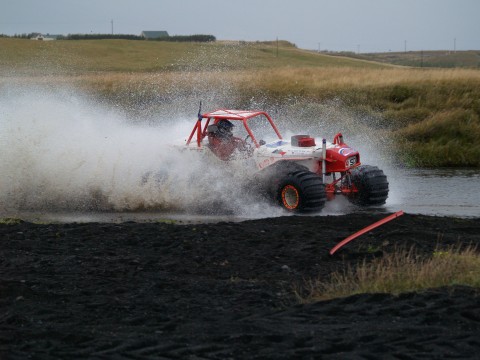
(301, 191)
(371, 185)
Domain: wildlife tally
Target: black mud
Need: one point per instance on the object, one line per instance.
(219, 291)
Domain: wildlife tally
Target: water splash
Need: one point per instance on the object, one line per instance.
(64, 152)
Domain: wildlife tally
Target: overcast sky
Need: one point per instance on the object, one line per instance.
(337, 25)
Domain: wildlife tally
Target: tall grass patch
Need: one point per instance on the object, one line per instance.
(449, 138)
(398, 272)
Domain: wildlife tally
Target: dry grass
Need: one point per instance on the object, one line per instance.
(399, 272)
(280, 80)
(339, 77)
(318, 83)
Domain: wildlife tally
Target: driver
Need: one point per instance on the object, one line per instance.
(223, 143)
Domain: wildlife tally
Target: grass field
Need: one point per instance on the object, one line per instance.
(444, 59)
(432, 115)
(86, 56)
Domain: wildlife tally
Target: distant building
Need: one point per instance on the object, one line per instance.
(154, 34)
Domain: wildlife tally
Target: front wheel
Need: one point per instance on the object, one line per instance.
(369, 185)
(301, 191)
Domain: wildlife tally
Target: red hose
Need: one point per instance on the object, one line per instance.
(363, 231)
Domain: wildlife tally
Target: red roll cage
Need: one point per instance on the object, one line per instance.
(232, 115)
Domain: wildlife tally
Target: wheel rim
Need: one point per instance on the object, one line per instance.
(290, 197)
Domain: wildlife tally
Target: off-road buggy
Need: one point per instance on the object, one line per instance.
(299, 173)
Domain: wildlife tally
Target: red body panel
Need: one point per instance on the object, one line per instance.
(341, 158)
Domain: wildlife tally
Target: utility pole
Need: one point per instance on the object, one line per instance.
(277, 46)
(112, 26)
(454, 45)
(405, 46)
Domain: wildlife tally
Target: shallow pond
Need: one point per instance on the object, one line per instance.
(448, 192)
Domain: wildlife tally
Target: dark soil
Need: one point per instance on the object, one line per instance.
(219, 291)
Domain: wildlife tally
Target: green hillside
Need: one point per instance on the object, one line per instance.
(85, 56)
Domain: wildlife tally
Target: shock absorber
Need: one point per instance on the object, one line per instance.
(324, 156)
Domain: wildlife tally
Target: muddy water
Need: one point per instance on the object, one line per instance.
(439, 192)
